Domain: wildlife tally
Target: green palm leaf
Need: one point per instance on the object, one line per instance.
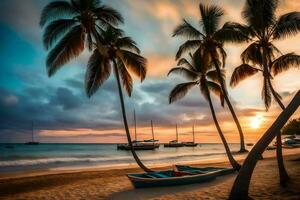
(55, 30)
(56, 10)
(180, 91)
(70, 46)
(98, 71)
(285, 62)
(242, 72)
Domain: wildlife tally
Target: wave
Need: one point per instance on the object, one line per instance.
(92, 160)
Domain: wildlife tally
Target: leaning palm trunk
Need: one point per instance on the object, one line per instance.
(284, 177)
(241, 185)
(135, 156)
(242, 142)
(232, 161)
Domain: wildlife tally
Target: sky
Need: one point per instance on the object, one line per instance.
(61, 112)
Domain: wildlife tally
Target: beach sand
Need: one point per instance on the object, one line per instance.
(113, 184)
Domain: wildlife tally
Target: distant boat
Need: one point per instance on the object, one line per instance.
(174, 143)
(32, 142)
(191, 144)
(249, 144)
(176, 177)
(140, 145)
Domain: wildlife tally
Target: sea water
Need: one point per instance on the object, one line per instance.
(21, 157)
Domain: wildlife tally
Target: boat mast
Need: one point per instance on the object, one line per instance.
(134, 125)
(193, 134)
(152, 131)
(176, 133)
(32, 139)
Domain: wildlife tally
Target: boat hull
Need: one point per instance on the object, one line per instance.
(140, 181)
(138, 147)
(203, 170)
(174, 145)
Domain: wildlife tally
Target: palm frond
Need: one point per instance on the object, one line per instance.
(232, 32)
(56, 10)
(187, 46)
(134, 62)
(108, 15)
(266, 94)
(70, 46)
(215, 89)
(240, 73)
(98, 71)
(55, 30)
(260, 14)
(127, 43)
(287, 25)
(285, 62)
(125, 76)
(185, 72)
(210, 17)
(252, 54)
(186, 63)
(222, 54)
(187, 30)
(180, 91)
(214, 75)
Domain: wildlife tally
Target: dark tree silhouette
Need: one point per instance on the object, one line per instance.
(202, 73)
(78, 24)
(210, 39)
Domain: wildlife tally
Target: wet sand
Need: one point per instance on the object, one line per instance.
(113, 184)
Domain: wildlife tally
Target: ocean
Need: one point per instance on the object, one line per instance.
(21, 157)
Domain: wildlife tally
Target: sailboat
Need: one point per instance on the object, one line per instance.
(191, 144)
(174, 143)
(140, 145)
(32, 142)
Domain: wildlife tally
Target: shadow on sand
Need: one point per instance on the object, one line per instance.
(149, 193)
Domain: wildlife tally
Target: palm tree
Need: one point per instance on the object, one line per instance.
(79, 24)
(201, 72)
(241, 184)
(262, 29)
(211, 41)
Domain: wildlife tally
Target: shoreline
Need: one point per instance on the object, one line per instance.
(113, 184)
(79, 169)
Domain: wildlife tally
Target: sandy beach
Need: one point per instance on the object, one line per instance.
(113, 184)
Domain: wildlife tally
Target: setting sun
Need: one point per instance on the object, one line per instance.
(256, 121)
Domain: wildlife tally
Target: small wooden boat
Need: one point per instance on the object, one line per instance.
(203, 170)
(168, 178)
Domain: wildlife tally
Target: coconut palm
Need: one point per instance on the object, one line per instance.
(210, 39)
(78, 24)
(201, 72)
(241, 184)
(262, 28)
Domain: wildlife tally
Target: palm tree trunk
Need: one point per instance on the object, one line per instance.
(135, 156)
(241, 185)
(231, 159)
(284, 177)
(242, 140)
